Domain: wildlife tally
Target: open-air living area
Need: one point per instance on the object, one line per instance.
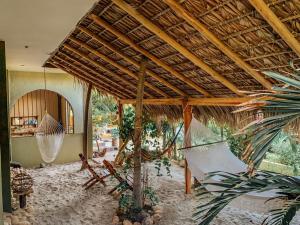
(150, 112)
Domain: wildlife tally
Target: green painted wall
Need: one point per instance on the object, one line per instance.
(25, 150)
(21, 83)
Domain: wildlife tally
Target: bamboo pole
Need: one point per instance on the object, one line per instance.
(217, 42)
(187, 118)
(129, 59)
(4, 135)
(137, 186)
(153, 58)
(120, 120)
(276, 24)
(86, 120)
(172, 42)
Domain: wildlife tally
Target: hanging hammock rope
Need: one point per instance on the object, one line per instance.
(49, 134)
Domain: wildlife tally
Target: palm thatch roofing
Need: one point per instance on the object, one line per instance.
(109, 42)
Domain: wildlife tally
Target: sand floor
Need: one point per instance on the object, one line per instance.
(59, 199)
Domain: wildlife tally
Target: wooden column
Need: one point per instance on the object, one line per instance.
(120, 119)
(187, 118)
(86, 121)
(137, 173)
(4, 133)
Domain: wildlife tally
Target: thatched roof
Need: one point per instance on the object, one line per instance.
(108, 43)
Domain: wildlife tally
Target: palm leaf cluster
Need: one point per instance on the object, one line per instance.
(274, 111)
(236, 185)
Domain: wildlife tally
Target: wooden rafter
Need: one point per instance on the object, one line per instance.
(153, 58)
(99, 75)
(172, 42)
(130, 60)
(85, 76)
(112, 62)
(85, 79)
(180, 11)
(235, 101)
(99, 65)
(276, 24)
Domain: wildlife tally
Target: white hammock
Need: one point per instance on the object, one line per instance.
(49, 136)
(218, 157)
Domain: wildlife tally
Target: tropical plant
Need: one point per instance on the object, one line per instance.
(285, 150)
(274, 111)
(104, 109)
(236, 144)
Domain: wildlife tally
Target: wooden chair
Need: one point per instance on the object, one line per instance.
(95, 177)
(124, 184)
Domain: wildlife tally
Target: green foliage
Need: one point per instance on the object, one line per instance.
(104, 109)
(151, 195)
(286, 150)
(127, 126)
(237, 144)
(163, 162)
(125, 202)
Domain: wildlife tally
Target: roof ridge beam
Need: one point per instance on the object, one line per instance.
(276, 24)
(172, 42)
(201, 28)
(132, 61)
(153, 58)
(115, 64)
(99, 65)
(233, 101)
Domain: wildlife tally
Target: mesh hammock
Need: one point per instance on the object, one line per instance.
(49, 136)
(198, 134)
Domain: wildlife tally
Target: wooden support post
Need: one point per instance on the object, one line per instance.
(120, 118)
(137, 186)
(4, 133)
(187, 118)
(86, 121)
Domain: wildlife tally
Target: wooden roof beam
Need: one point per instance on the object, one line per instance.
(180, 11)
(85, 76)
(172, 42)
(235, 101)
(112, 62)
(99, 65)
(57, 64)
(132, 61)
(276, 24)
(99, 75)
(153, 58)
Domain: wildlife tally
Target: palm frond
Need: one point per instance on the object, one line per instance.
(235, 185)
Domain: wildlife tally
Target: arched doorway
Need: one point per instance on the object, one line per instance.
(28, 111)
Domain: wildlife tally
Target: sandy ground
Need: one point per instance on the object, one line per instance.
(59, 199)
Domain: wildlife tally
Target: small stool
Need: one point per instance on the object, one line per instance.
(22, 198)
